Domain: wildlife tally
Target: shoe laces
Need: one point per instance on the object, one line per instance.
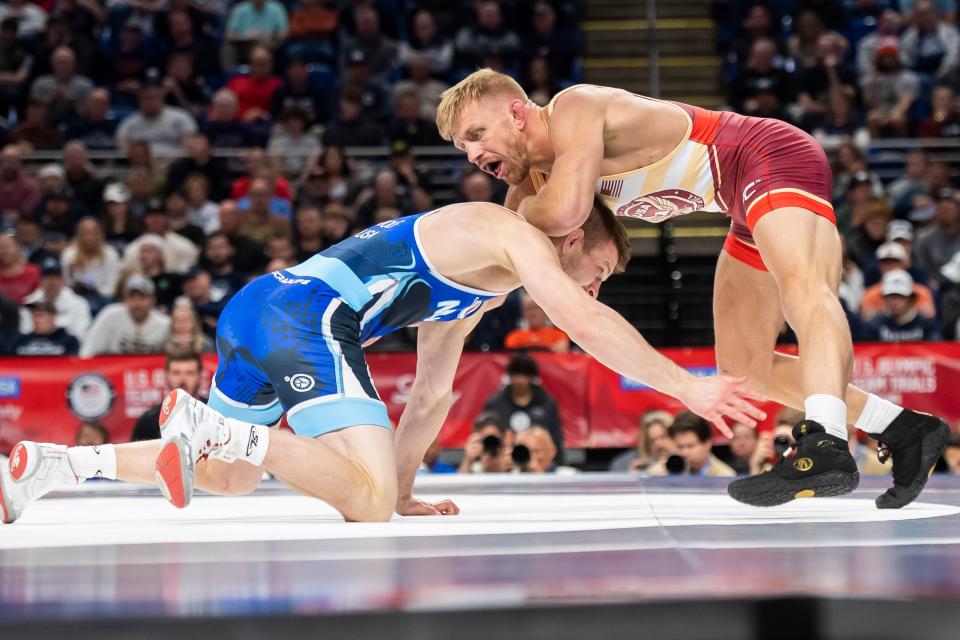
(201, 416)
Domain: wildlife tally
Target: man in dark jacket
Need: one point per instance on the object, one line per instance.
(47, 338)
(523, 402)
(182, 371)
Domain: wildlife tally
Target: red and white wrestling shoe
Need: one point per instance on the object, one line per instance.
(190, 431)
(34, 469)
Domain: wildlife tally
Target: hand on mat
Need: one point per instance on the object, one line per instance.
(414, 507)
(716, 397)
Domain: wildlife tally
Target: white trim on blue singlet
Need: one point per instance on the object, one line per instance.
(439, 276)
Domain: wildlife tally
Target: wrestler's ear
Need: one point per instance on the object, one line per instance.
(571, 241)
(518, 112)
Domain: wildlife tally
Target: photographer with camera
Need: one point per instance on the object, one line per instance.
(693, 438)
(523, 402)
(489, 447)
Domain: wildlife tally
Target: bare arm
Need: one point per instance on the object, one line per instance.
(439, 346)
(576, 133)
(605, 335)
(517, 193)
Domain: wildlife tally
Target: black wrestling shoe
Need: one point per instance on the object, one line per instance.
(819, 465)
(915, 441)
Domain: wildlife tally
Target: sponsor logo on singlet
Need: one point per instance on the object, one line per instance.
(662, 205)
(285, 280)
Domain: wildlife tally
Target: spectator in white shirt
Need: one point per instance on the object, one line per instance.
(162, 127)
(131, 326)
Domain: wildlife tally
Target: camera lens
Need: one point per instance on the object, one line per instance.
(491, 445)
(520, 455)
(781, 444)
(676, 465)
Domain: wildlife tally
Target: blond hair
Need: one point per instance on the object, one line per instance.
(480, 84)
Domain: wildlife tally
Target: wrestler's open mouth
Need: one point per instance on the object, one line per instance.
(493, 168)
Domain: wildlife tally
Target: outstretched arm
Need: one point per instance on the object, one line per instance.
(576, 134)
(439, 346)
(605, 335)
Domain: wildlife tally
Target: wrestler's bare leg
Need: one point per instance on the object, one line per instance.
(136, 463)
(802, 252)
(353, 470)
(38, 468)
(747, 319)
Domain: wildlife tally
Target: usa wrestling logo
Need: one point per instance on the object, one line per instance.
(662, 205)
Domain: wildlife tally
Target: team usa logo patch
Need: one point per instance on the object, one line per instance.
(662, 205)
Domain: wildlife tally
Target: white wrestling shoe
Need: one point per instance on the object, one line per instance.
(35, 469)
(190, 431)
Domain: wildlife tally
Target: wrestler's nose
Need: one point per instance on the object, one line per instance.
(473, 153)
(592, 289)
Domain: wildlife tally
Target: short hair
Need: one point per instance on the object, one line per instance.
(523, 364)
(183, 357)
(689, 422)
(488, 419)
(218, 234)
(602, 225)
(478, 85)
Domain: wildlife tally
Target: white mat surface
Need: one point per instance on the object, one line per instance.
(94, 520)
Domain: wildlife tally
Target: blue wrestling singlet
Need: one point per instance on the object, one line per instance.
(291, 340)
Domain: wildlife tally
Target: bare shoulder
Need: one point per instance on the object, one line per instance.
(592, 96)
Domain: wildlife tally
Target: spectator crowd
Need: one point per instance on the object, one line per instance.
(850, 73)
(155, 156)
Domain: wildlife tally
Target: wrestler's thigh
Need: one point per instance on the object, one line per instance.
(747, 316)
(799, 248)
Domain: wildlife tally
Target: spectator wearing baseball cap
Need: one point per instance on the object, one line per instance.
(889, 91)
(131, 326)
(44, 338)
(58, 214)
(898, 232)
(900, 320)
(891, 256)
(72, 310)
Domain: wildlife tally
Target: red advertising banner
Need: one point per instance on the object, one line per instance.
(47, 398)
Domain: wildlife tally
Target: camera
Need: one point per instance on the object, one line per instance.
(492, 445)
(780, 445)
(676, 465)
(521, 456)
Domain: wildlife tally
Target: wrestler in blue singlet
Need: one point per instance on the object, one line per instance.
(290, 341)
